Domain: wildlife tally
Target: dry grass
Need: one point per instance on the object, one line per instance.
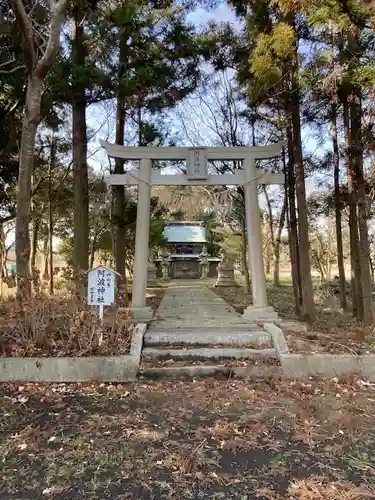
(316, 489)
(60, 326)
(63, 325)
(334, 331)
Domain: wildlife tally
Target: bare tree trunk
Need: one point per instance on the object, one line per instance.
(119, 191)
(34, 243)
(81, 189)
(292, 222)
(92, 251)
(276, 267)
(355, 264)
(360, 188)
(338, 208)
(29, 128)
(303, 227)
(46, 258)
(271, 230)
(50, 212)
(50, 244)
(2, 258)
(268, 258)
(245, 266)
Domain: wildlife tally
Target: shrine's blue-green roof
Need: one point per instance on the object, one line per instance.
(185, 233)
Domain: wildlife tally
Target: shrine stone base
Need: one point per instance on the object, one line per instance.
(142, 314)
(225, 275)
(260, 314)
(151, 275)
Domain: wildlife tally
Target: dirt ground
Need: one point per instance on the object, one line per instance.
(205, 439)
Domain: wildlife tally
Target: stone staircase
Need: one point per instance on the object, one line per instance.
(241, 351)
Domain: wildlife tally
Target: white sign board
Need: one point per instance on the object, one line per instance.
(101, 288)
(197, 164)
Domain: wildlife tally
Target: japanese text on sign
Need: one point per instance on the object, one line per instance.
(101, 286)
(197, 164)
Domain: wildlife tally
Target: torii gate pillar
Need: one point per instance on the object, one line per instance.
(259, 310)
(140, 310)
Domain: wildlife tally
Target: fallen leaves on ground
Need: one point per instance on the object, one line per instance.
(206, 439)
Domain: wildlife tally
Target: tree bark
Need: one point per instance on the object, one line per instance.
(2, 258)
(355, 264)
(360, 189)
(372, 269)
(34, 243)
(303, 227)
(81, 189)
(119, 191)
(271, 230)
(244, 247)
(92, 251)
(276, 266)
(46, 251)
(245, 266)
(29, 128)
(119, 195)
(50, 212)
(291, 214)
(338, 208)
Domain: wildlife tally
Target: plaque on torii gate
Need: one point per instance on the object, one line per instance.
(196, 168)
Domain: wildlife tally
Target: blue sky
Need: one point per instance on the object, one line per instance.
(222, 13)
(101, 117)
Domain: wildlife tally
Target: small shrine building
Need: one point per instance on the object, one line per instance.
(186, 242)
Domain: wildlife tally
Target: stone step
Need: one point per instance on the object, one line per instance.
(198, 371)
(150, 353)
(206, 336)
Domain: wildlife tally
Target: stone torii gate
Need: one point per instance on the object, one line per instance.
(197, 174)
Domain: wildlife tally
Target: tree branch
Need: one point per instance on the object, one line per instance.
(6, 63)
(26, 31)
(10, 71)
(53, 45)
(36, 187)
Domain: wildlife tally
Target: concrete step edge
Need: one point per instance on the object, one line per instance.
(197, 371)
(199, 338)
(242, 328)
(150, 353)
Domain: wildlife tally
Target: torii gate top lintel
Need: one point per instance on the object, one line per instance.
(196, 158)
(182, 153)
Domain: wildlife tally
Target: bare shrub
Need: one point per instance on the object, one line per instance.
(60, 326)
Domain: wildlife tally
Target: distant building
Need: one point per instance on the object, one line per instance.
(40, 261)
(185, 242)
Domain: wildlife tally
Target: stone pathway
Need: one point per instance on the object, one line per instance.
(190, 304)
(196, 333)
